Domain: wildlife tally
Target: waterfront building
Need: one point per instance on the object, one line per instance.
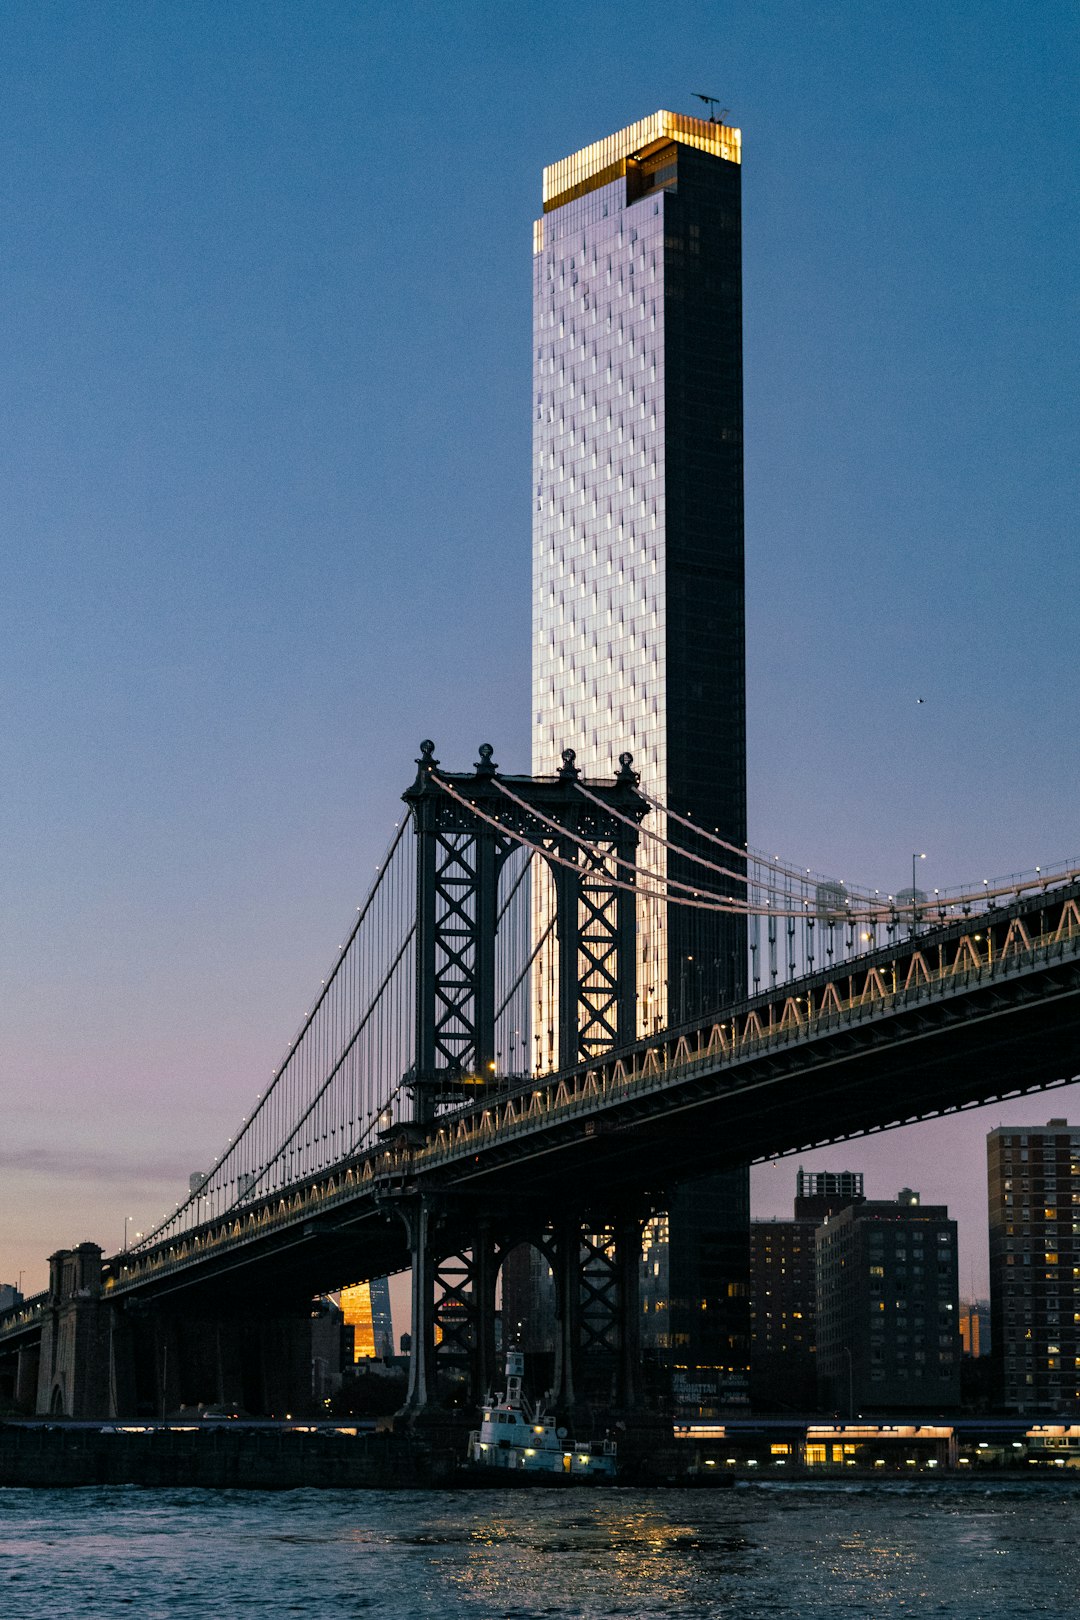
(887, 1307)
(1033, 1176)
(783, 1292)
(638, 633)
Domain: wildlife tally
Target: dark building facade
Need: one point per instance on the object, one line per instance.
(528, 1301)
(888, 1308)
(783, 1300)
(638, 617)
(1033, 1176)
(783, 1293)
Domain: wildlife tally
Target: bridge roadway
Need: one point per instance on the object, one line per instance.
(974, 1010)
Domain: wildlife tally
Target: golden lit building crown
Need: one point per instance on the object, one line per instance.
(606, 160)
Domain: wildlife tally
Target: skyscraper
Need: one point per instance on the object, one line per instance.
(1034, 1195)
(638, 633)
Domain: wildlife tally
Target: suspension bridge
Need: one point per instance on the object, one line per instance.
(502, 1052)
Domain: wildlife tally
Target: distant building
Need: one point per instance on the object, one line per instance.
(975, 1334)
(366, 1310)
(9, 1296)
(331, 1349)
(783, 1292)
(819, 1193)
(656, 1287)
(1034, 1199)
(888, 1307)
(528, 1301)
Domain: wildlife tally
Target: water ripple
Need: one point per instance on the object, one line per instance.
(815, 1551)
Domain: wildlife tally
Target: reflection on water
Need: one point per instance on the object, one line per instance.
(818, 1552)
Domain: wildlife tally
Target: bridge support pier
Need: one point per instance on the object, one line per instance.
(123, 1396)
(567, 1270)
(598, 1308)
(454, 1273)
(421, 1392)
(73, 1367)
(627, 1232)
(465, 1310)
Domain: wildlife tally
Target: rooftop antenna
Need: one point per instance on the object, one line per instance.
(712, 102)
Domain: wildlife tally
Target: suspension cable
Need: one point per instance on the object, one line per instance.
(633, 866)
(520, 980)
(283, 1146)
(737, 905)
(269, 1097)
(658, 838)
(728, 905)
(941, 904)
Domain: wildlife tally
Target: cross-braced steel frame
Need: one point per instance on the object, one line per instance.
(466, 828)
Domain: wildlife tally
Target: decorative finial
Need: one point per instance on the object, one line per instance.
(485, 766)
(627, 773)
(427, 760)
(569, 770)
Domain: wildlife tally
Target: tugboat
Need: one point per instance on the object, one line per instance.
(520, 1444)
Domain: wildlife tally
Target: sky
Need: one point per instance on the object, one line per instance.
(265, 273)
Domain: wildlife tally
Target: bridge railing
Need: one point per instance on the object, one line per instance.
(27, 1314)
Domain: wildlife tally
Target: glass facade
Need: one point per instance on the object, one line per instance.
(638, 638)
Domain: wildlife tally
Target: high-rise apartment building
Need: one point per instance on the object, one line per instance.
(1033, 1175)
(783, 1296)
(888, 1307)
(638, 633)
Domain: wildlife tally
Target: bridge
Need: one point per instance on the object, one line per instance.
(420, 1119)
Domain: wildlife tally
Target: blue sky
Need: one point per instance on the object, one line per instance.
(264, 517)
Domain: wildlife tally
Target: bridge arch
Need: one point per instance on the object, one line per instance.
(527, 1275)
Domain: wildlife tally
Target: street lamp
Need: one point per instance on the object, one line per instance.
(127, 1222)
(850, 1382)
(914, 908)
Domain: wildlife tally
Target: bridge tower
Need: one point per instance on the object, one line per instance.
(467, 826)
(73, 1363)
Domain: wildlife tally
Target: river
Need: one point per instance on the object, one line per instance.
(818, 1551)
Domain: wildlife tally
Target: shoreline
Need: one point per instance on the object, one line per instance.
(51, 1455)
